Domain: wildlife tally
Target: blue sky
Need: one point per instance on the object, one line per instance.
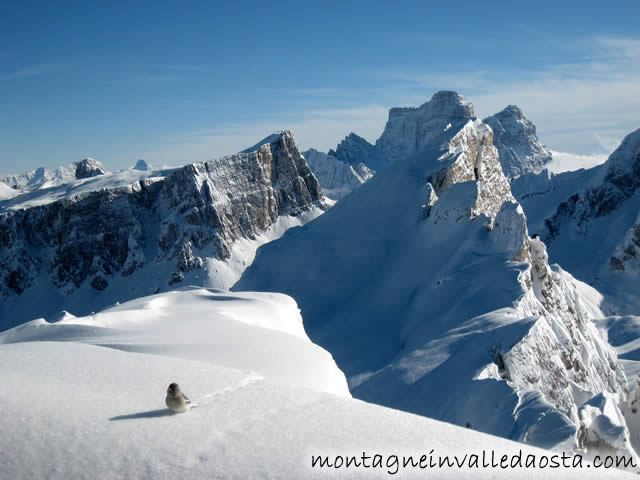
(176, 82)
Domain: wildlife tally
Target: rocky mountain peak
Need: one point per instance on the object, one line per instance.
(142, 165)
(89, 167)
(517, 142)
(283, 137)
(354, 150)
(409, 130)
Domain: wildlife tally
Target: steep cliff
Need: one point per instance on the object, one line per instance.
(103, 242)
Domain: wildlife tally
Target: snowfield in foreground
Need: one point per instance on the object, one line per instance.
(84, 398)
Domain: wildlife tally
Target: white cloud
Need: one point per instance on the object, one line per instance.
(30, 71)
(564, 162)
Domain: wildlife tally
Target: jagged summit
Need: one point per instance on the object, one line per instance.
(409, 130)
(89, 167)
(273, 138)
(354, 150)
(517, 142)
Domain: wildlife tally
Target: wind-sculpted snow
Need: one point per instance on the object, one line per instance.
(516, 140)
(92, 247)
(428, 291)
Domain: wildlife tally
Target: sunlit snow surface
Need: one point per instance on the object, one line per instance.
(84, 398)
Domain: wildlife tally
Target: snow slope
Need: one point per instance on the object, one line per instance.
(7, 192)
(247, 331)
(84, 398)
(427, 290)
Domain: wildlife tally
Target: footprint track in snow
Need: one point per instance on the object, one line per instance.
(250, 379)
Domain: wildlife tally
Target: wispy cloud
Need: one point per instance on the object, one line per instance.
(574, 105)
(563, 161)
(320, 129)
(30, 71)
(585, 107)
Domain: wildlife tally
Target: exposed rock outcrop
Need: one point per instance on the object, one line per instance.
(88, 168)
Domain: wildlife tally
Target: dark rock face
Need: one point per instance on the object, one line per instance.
(194, 213)
(89, 168)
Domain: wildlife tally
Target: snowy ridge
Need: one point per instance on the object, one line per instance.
(517, 142)
(114, 237)
(425, 334)
(214, 326)
(40, 178)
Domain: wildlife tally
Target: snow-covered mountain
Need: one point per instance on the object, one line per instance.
(83, 398)
(142, 165)
(517, 142)
(589, 219)
(354, 150)
(336, 177)
(410, 130)
(40, 178)
(428, 291)
(85, 245)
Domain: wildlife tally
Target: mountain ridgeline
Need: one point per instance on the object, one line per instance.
(432, 297)
(409, 130)
(92, 249)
